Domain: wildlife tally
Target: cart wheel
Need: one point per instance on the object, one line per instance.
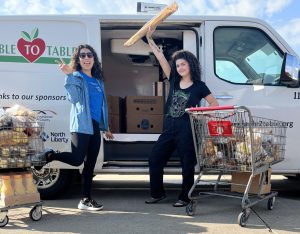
(191, 208)
(4, 221)
(271, 203)
(243, 217)
(36, 213)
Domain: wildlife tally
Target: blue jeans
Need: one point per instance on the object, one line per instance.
(177, 134)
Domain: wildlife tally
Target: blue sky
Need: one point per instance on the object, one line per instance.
(283, 15)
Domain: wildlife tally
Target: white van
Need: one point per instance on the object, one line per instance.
(241, 58)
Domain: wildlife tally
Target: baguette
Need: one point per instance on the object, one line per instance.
(167, 11)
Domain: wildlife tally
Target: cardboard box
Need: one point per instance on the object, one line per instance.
(161, 88)
(116, 124)
(137, 123)
(239, 182)
(114, 105)
(17, 199)
(27, 198)
(116, 114)
(149, 105)
(7, 201)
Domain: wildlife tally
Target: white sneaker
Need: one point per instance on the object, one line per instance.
(89, 204)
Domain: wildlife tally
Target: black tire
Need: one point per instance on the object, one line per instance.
(36, 213)
(271, 203)
(4, 222)
(52, 182)
(243, 217)
(191, 208)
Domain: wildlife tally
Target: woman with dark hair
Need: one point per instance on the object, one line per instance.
(186, 90)
(88, 116)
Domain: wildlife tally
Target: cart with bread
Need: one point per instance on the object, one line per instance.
(230, 140)
(21, 147)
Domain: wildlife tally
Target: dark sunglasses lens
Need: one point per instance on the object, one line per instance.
(83, 55)
(90, 55)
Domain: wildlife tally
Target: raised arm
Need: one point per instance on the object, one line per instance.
(158, 54)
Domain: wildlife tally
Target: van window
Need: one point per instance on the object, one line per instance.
(246, 56)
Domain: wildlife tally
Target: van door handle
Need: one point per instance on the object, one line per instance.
(223, 96)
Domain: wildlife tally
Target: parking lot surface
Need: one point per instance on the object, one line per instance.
(124, 211)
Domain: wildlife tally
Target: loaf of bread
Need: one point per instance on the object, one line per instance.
(5, 137)
(167, 11)
(9, 138)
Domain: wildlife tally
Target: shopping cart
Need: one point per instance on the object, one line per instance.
(21, 147)
(228, 139)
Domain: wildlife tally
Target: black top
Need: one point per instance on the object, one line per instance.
(180, 99)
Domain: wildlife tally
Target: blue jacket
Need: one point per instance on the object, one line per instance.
(80, 115)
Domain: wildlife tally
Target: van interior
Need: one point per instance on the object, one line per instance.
(133, 71)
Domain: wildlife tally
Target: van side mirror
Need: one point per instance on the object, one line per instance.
(290, 71)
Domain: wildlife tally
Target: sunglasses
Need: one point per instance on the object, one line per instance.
(84, 55)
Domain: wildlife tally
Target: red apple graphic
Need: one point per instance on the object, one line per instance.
(30, 46)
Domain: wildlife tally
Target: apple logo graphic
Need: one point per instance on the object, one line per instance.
(30, 46)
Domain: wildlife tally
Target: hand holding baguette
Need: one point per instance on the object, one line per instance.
(156, 50)
(167, 11)
(158, 53)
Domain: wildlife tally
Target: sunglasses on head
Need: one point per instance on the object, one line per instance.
(84, 55)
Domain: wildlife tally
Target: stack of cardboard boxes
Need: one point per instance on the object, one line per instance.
(115, 114)
(135, 114)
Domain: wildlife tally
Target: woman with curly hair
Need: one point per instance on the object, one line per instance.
(88, 116)
(186, 90)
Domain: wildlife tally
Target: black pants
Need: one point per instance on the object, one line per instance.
(85, 148)
(177, 134)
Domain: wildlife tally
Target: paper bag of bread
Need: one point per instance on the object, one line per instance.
(23, 120)
(18, 110)
(166, 12)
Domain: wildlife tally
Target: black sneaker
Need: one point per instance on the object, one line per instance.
(153, 200)
(46, 158)
(48, 155)
(89, 204)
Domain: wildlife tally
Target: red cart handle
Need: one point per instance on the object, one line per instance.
(210, 108)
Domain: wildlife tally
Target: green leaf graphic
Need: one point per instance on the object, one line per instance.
(34, 34)
(25, 36)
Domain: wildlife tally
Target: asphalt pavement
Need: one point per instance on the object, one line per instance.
(125, 212)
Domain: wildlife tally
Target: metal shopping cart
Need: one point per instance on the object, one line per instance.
(228, 139)
(21, 146)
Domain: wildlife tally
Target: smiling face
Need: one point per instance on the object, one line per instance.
(182, 67)
(86, 60)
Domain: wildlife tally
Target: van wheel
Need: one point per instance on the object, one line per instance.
(52, 182)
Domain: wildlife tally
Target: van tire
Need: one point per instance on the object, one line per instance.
(52, 182)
